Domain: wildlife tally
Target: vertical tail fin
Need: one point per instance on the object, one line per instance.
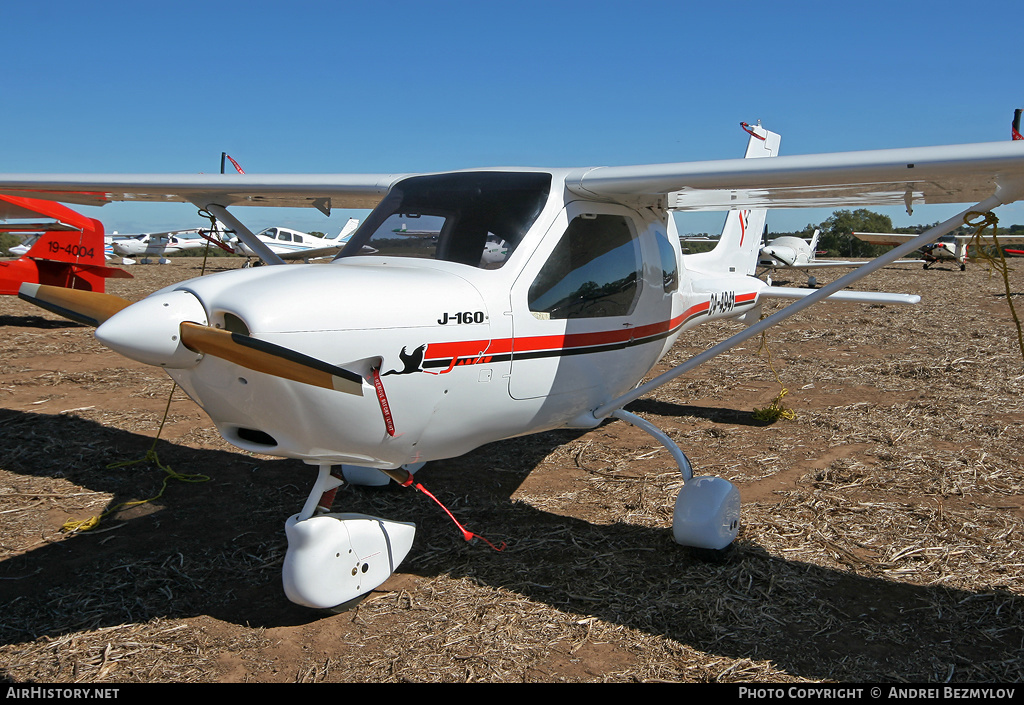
(70, 246)
(350, 227)
(738, 247)
(68, 253)
(814, 242)
(73, 239)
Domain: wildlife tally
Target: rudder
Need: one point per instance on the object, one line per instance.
(740, 242)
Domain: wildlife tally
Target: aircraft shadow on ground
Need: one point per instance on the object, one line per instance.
(37, 322)
(714, 414)
(215, 548)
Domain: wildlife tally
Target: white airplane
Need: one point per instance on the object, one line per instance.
(22, 249)
(424, 355)
(790, 252)
(146, 247)
(946, 248)
(286, 243)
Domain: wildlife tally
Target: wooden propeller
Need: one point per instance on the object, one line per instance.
(262, 356)
(89, 307)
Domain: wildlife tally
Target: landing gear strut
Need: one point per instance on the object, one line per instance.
(707, 511)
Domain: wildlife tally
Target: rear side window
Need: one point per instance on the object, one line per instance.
(669, 272)
(594, 271)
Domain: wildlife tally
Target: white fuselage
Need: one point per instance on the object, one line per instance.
(948, 247)
(467, 353)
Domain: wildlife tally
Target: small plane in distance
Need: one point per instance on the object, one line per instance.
(66, 252)
(286, 243)
(144, 248)
(384, 360)
(790, 252)
(946, 248)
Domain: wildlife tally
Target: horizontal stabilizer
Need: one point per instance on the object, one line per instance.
(49, 227)
(825, 264)
(106, 272)
(860, 297)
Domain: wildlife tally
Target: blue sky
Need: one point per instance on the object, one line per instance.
(316, 87)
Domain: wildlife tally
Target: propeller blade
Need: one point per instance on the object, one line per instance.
(89, 307)
(271, 359)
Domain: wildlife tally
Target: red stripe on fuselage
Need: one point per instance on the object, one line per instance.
(569, 341)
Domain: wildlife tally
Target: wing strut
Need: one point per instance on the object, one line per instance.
(924, 238)
(244, 234)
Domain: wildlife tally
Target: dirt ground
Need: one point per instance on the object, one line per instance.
(883, 534)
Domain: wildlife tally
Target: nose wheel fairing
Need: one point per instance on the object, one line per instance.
(333, 559)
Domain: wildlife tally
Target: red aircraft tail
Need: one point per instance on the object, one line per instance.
(68, 253)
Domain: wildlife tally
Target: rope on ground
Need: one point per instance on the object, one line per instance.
(150, 456)
(980, 221)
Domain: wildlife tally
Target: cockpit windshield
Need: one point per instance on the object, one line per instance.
(474, 218)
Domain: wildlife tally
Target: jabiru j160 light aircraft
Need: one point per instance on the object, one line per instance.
(446, 352)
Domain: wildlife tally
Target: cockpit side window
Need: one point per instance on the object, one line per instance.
(473, 218)
(594, 271)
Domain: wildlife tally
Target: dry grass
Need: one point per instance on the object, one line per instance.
(882, 536)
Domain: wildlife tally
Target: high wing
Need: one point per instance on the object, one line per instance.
(166, 233)
(886, 239)
(909, 177)
(321, 191)
(891, 239)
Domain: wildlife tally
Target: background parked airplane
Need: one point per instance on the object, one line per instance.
(68, 251)
(286, 243)
(149, 246)
(789, 252)
(947, 247)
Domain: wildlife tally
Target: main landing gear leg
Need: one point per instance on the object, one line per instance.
(333, 560)
(707, 511)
